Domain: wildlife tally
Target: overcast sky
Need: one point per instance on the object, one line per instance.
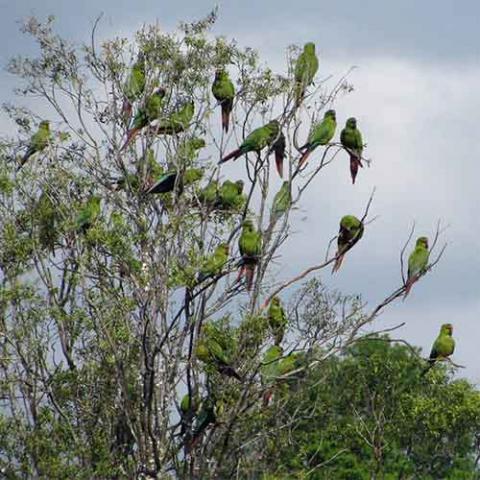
(417, 101)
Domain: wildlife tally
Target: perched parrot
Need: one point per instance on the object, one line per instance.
(166, 183)
(211, 350)
(88, 214)
(178, 121)
(209, 194)
(443, 346)
(134, 86)
(230, 195)
(206, 416)
(250, 245)
(39, 141)
(214, 264)
(256, 141)
(224, 91)
(279, 149)
(321, 134)
(189, 406)
(417, 263)
(277, 320)
(351, 139)
(281, 202)
(145, 115)
(351, 231)
(305, 70)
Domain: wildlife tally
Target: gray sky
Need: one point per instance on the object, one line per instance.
(416, 98)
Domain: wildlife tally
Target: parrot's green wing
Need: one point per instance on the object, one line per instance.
(281, 202)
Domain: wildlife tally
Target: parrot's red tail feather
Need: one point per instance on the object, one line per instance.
(126, 110)
(249, 274)
(304, 158)
(354, 164)
(267, 397)
(235, 154)
(226, 109)
(279, 163)
(409, 285)
(338, 263)
(130, 136)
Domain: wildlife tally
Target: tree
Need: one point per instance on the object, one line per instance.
(371, 414)
(122, 325)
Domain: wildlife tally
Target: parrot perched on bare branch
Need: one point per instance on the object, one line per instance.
(443, 346)
(321, 134)
(166, 183)
(214, 264)
(281, 202)
(305, 70)
(417, 263)
(224, 91)
(250, 246)
(351, 139)
(256, 141)
(351, 231)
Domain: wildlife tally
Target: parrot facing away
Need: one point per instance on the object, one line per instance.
(214, 264)
(88, 214)
(209, 194)
(351, 231)
(188, 408)
(351, 139)
(250, 246)
(224, 91)
(145, 115)
(256, 141)
(305, 70)
(46, 214)
(277, 320)
(211, 350)
(206, 416)
(417, 263)
(281, 202)
(321, 134)
(38, 142)
(166, 183)
(134, 86)
(443, 346)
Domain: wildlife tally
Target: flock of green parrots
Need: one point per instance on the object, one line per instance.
(210, 348)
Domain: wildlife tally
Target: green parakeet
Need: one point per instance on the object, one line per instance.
(321, 134)
(88, 214)
(134, 86)
(250, 246)
(224, 91)
(277, 320)
(281, 202)
(209, 194)
(305, 70)
(214, 264)
(189, 406)
(205, 417)
(166, 183)
(230, 195)
(256, 141)
(417, 263)
(211, 350)
(178, 121)
(351, 231)
(351, 139)
(146, 114)
(38, 142)
(443, 346)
